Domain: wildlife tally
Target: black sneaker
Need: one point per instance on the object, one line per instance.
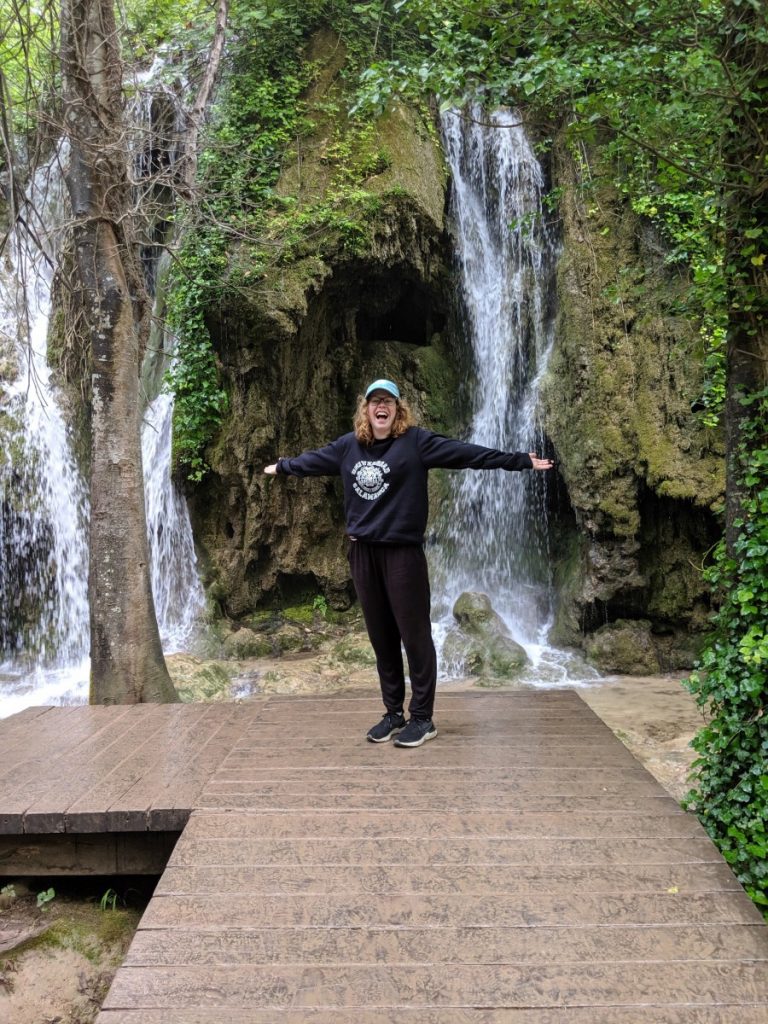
(418, 731)
(387, 727)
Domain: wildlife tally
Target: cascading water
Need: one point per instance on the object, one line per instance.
(44, 628)
(493, 537)
(178, 593)
(44, 616)
(176, 587)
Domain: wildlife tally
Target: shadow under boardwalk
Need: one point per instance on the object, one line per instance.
(521, 868)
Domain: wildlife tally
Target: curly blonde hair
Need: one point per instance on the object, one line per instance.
(404, 419)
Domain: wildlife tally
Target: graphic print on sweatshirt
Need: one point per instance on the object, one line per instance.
(369, 482)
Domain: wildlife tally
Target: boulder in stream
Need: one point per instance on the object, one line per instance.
(479, 644)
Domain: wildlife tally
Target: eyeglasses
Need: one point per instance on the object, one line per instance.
(381, 401)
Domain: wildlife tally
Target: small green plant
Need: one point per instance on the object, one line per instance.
(7, 896)
(320, 605)
(45, 897)
(109, 900)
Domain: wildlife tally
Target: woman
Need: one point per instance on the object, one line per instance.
(383, 464)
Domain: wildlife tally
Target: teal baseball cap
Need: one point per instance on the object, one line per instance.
(383, 385)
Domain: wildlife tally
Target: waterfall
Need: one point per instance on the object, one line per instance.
(178, 594)
(493, 535)
(176, 587)
(44, 627)
(44, 615)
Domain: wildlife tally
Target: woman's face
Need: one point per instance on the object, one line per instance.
(382, 410)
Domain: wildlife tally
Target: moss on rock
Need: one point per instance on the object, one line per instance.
(360, 288)
(625, 647)
(480, 644)
(625, 370)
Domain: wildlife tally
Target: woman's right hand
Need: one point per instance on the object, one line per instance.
(271, 470)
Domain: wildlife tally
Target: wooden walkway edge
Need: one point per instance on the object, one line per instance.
(521, 868)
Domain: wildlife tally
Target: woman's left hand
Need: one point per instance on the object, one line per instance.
(540, 463)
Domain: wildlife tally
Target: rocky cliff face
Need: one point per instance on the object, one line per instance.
(352, 304)
(643, 477)
(375, 296)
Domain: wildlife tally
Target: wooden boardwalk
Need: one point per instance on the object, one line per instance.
(521, 868)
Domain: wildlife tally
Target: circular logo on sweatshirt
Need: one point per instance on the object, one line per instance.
(369, 482)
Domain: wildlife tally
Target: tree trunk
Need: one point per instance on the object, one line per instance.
(127, 664)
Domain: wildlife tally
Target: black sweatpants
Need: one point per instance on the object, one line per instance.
(392, 585)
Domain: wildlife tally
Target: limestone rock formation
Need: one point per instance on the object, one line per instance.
(297, 351)
(480, 644)
(642, 476)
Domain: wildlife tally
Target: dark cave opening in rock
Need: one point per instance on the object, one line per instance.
(397, 310)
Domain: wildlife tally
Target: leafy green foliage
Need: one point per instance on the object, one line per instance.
(29, 71)
(261, 123)
(200, 401)
(731, 794)
(44, 897)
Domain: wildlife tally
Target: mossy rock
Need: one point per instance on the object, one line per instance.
(198, 680)
(488, 656)
(475, 613)
(354, 651)
(289, 637)
(245, 643)
(626, 647)
(301, 613)
(480, 644)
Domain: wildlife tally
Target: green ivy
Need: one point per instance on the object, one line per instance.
(200, 402)
(259, 124)
(731, 794)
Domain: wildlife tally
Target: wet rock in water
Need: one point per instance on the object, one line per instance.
(626, 647)
(480, 644)
(198, 680)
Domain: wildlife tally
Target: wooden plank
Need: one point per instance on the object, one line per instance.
(449, 756)
(391, 946)
(134, 759)
(684, 854)
(172, 769)
(47, 726)
(355, 728)
(51, 762)
(565, 696)
(243, 910)
(51, 736)
(405, 825)
(89, 765)
(423, 879)
(390, 798)
(645, 1014)
(16, 726)
(186, 792)
(274, 736)
(93, 854)
(499, 986)
(515, 781)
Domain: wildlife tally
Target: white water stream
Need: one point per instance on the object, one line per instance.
(43, 520)
(44, 618)
(494, 537)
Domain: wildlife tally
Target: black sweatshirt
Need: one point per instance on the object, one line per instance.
(385, 483)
